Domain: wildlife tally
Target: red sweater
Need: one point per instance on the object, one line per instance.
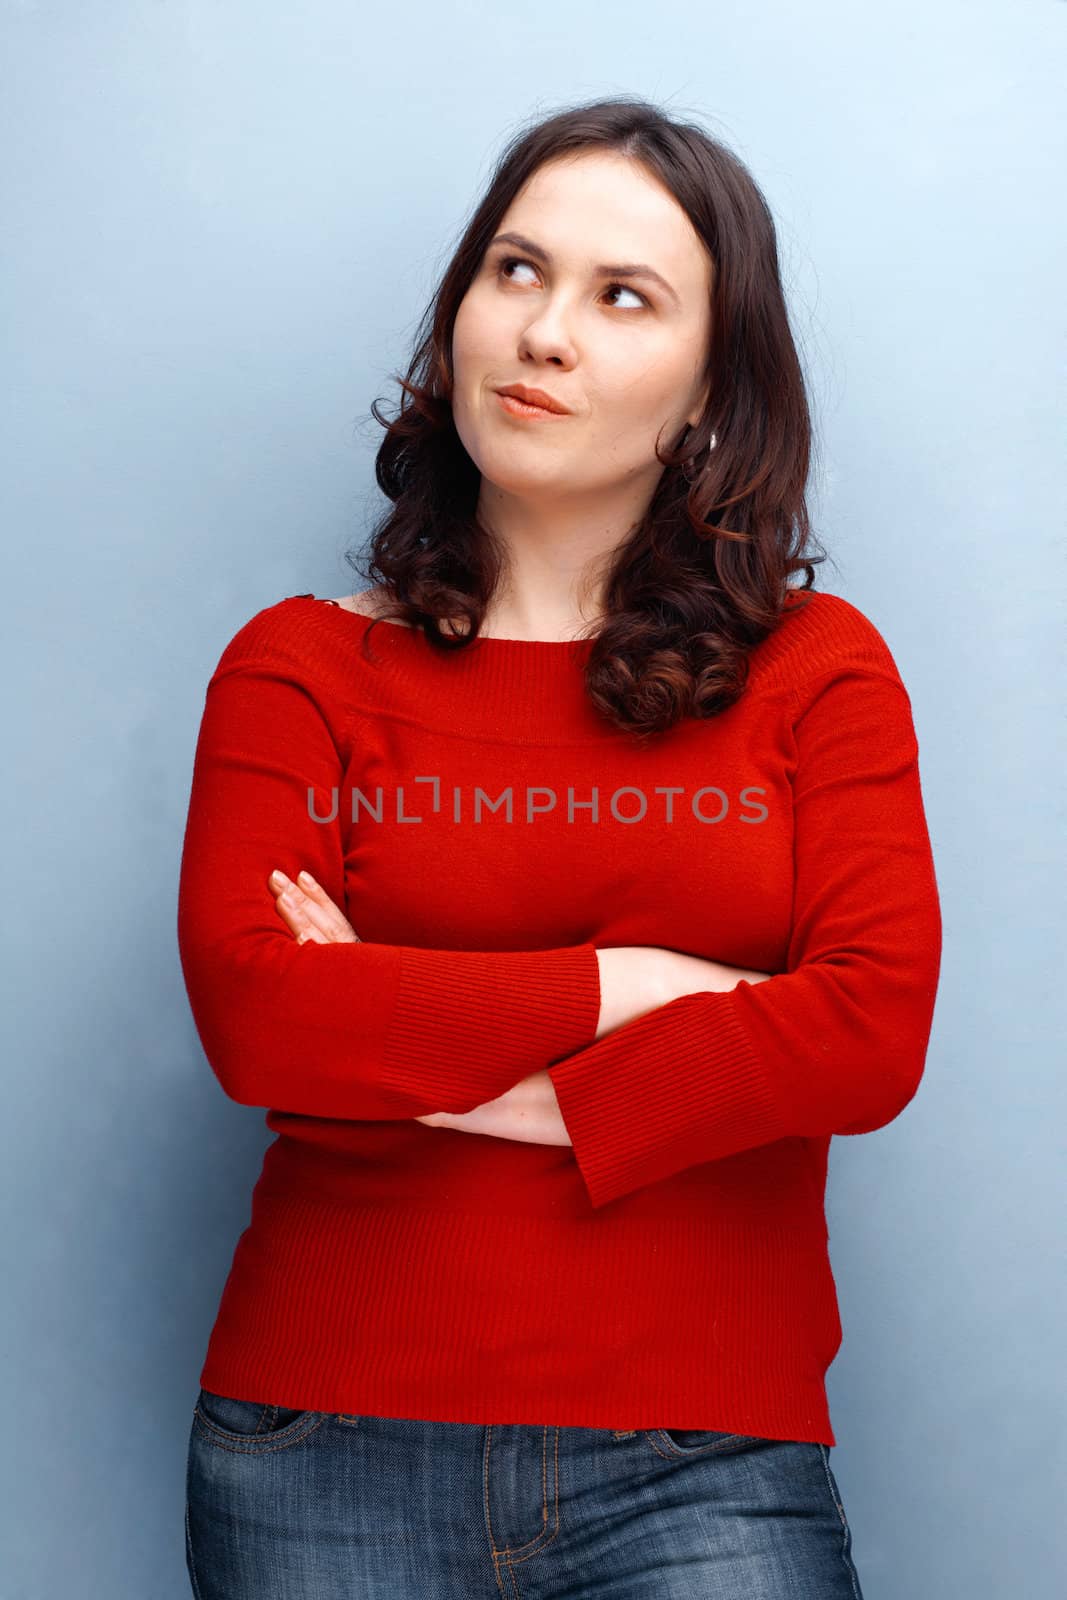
(485, 830)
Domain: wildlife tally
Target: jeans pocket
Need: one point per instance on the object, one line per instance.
(251, 1424)
(684, 1442)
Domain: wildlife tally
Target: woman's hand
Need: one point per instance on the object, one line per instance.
(527, 1112)
(309, 912)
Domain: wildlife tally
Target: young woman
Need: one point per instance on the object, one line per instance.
(560, 895)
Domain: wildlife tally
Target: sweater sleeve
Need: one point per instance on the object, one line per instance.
(359, 1030)
(835, 1044)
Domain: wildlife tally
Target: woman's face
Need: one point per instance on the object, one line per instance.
(624, 354)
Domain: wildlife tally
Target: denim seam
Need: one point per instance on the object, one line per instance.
(665, 1447)
(225, 1441)
(846, 1532)
(541, 1541)
(189, 1552)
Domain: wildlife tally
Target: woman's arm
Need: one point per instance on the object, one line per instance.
(836, 1043)
(357, 1030)
(633, 979)
(529, 1112)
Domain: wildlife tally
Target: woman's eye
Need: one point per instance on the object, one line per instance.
(624, 288)
(613, 288)
(504, 266)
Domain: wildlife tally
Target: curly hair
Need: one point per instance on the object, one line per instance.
(703, 577)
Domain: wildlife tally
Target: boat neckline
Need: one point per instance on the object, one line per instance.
(418, 633)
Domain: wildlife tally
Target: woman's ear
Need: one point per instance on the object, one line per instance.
(700, 405)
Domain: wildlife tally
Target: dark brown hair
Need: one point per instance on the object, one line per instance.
(702, 578)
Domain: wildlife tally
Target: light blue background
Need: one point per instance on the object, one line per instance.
(222, 223)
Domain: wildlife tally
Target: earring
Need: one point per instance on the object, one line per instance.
(690, 470)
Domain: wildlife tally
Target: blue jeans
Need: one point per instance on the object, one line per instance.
(308, 1505)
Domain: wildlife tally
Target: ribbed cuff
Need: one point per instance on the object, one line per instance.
(486, 1020)
(677, 1086)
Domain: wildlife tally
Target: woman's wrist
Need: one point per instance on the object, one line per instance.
(639, 978)
(633, 979)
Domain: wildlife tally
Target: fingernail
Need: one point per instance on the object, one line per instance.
(278, 877)
(305, 877)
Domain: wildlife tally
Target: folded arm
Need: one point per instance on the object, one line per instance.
(360, 1030)
(837, 1043)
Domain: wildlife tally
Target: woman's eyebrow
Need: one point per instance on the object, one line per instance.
(630, 269)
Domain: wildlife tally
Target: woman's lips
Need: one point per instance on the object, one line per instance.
(519, 408)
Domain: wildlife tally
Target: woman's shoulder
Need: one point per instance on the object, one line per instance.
(820, 632)
(302, 630)
(369, 603)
